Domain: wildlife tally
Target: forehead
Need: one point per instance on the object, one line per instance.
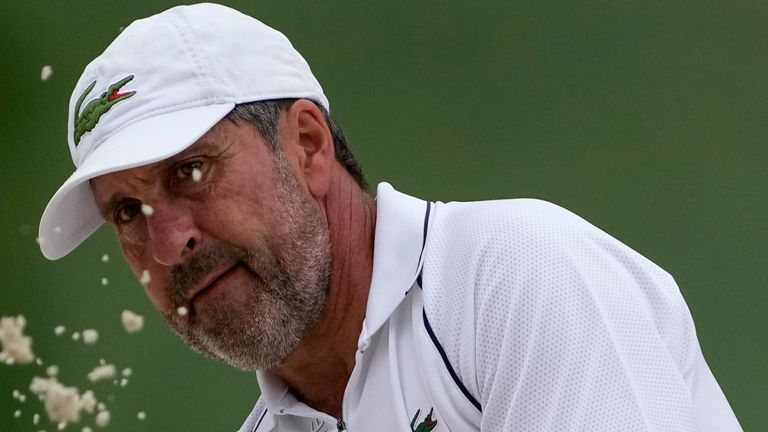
(225, 136)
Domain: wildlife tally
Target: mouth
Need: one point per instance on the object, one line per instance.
(210, 281)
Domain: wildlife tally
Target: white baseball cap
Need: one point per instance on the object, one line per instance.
(162, 84)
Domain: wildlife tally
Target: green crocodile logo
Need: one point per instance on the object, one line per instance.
(426, 425)
(86, 120)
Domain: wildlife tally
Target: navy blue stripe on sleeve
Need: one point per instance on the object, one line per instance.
(448, 366)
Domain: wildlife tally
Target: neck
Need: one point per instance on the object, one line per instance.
(318, 370)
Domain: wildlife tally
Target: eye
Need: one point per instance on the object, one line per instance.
(190, 170)
(126, 212)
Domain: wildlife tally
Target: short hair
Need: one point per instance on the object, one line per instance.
(264, 116)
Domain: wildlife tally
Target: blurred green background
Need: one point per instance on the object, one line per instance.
(647, 118)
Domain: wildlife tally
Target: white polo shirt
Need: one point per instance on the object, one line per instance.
(512, 315)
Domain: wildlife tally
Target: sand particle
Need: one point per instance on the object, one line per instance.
(145, 277)
(90, 336)
(102, 418)
(102, 372)
(46, 73)
(16, 347)
(132, 322)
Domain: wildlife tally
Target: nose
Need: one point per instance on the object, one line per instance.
(173, 234)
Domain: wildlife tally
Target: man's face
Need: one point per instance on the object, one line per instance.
(244, 249)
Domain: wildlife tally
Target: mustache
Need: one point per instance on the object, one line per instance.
(189, 272)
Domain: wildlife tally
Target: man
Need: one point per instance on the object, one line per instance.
(203, 138)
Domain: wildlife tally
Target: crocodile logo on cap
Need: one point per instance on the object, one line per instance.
(86, 120)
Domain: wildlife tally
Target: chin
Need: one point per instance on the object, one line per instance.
(247, 346)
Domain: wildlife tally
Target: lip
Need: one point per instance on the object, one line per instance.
(209, 280)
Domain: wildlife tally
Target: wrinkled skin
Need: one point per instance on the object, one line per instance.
(246, 249)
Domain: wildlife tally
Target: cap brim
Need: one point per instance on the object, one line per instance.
(71, 215)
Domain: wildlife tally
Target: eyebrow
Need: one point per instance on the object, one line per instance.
(108, 209)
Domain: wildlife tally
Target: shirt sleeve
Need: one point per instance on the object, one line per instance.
(565, 329)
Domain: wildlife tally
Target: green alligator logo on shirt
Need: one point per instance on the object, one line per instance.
(85, 121)
(426, 425)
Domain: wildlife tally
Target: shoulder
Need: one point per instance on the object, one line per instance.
(484, 224)
(522, 235)
(524, 268)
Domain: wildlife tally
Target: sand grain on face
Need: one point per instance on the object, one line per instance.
(145, 277)
(147, 209)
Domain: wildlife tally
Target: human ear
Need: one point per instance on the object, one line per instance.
(309, 146)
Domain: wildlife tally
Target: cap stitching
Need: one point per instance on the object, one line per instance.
(188, 37)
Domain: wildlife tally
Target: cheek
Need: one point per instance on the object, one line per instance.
(139, 260)
(237, 211)
(135, 253)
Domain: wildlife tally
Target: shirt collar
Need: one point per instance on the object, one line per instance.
(401, 227)
(401, 222)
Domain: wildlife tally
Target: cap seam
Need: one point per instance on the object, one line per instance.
(191, 42)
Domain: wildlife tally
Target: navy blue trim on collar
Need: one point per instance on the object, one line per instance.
(264, 414)
(423, 243)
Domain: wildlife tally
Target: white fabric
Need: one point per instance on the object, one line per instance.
(187, 67)
(549, 324)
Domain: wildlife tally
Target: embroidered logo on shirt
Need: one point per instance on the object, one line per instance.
(426, 425)
(318, 426)
(86, 121)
